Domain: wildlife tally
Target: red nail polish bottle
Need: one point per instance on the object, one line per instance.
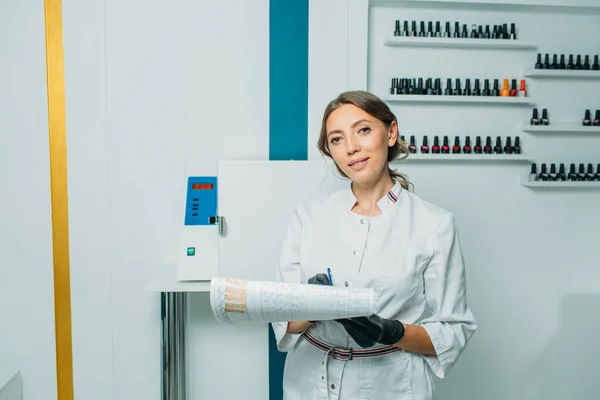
(467, 146)
(522, 90)
(513, 88)
(456, 147)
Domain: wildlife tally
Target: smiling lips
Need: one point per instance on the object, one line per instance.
(358, 163)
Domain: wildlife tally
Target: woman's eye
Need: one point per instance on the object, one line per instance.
(364, 130)
(335, 139)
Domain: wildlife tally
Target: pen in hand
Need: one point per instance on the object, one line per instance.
(329, 276)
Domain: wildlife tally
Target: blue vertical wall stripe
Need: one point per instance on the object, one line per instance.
(288, 114)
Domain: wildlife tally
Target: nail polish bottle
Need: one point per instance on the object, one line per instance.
(570, 64)
(495, 32)
(473, 31)
(578, 62)
(397, 29)
(447, 30)
(498, 146)
(522, 90)
(552, 176)
(456, 147)
(554, 64)
(464, 33)
(420, 89)
(496, 90)
(478, 149)
(543, 176)
(544, 120)
(587, 119)
(438, 30)
(448, 90)
(486, 88)
(467, 91)
(428, 87)
(505, 34)
(467, 146)
(436, 145)
(487, 34)
(546, 61)
(533, 176)
(513, 34)
(394, 86)
(429, 29)
(438, 87)
(413, 87)
(596, 65)
(476, 90)
(487, 149)
(581, 174)
(456, 33)
(534, 118)
(572, 174)
(424, 146)
(457, 89)
(445, 146)
(402, 139)
(507, 146)
(562, 176)
(586, 63)
(405, 31)
(596, 121)
(589, 176)
(480, 34)
(538, 63)
(505, 92)
(422, 29)
(513, 88)
(516, 149)
(413, 30)
(597, 175)
(411, 147)
(561, 64)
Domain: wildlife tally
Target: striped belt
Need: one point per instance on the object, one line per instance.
(348, 354)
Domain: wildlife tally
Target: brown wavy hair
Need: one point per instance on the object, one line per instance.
(376, 107)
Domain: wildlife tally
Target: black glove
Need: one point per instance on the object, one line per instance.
(319, 279)
(366, 331)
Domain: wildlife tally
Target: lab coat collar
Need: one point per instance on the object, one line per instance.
(390, 199)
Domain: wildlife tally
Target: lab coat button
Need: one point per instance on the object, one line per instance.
(323, 377)
(346, 283)
(332, 386)
(355, 252)
(363, 221)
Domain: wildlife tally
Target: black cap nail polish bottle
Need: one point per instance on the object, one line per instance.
(589, 176)
(428, 87)
(596, 121)
(552, 176)
(496, 89)
(430, 32)
(570, 64)
(572, 173)
(495, 32)
(586, 63)
(465, 32)
(478, 149)
(424, 146)
(561, 64)
(513, 34)
(547, 61)
(487, 149)
(543, 176)
(445, 146)
(597, 175)
(394, 86)
(487, 34)
(476, 89)
(516, 149)
(578, 62)
(456, 33)
(587, 118)
(397, 29)
(438, 30)
(438, 87)
(505, 34)
(413, 30)
(562, 176)
(467, 91)
(498, 146)
(420, 89)
(507, 146)
(456, 147)
(538, 63)
(486, 88)
(467, 147)
(533, 176)
(554, 64)
(436, 145)
(447, 30)
(480, 34)
(448, 90)
(412, 148)
(581, 175)
(534, 118)
(405, 31)
(473, 31)
(596, 65)
(544, 120)
(422, 29)
(457, 89)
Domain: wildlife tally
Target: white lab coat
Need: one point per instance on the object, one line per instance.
(411, 256)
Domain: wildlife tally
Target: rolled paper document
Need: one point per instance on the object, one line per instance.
(238, 301)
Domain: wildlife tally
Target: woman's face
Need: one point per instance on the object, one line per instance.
(358, 143)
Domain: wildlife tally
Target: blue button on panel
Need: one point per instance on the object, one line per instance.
(201, 200)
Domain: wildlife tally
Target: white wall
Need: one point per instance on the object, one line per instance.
(26, 269)
(150, 87)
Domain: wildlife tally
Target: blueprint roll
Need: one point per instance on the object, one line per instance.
(238, 301)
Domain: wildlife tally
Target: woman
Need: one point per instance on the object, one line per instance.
(374, 234)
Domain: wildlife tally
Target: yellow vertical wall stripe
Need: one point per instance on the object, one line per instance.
(60, 204)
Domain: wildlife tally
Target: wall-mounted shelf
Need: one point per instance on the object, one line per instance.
(566, 6)
(560, 127)
(420, 98)
(466, 157)
(411, 41)
(558, 184)
(164, 280)
(561, 73)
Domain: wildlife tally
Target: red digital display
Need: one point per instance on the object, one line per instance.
(202, 186)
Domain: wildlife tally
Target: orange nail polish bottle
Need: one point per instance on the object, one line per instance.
(522, 90)
(505, 91)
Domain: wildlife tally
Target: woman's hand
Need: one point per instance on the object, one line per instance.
(366, 331)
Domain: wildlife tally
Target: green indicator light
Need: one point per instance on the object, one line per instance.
(191, 251)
